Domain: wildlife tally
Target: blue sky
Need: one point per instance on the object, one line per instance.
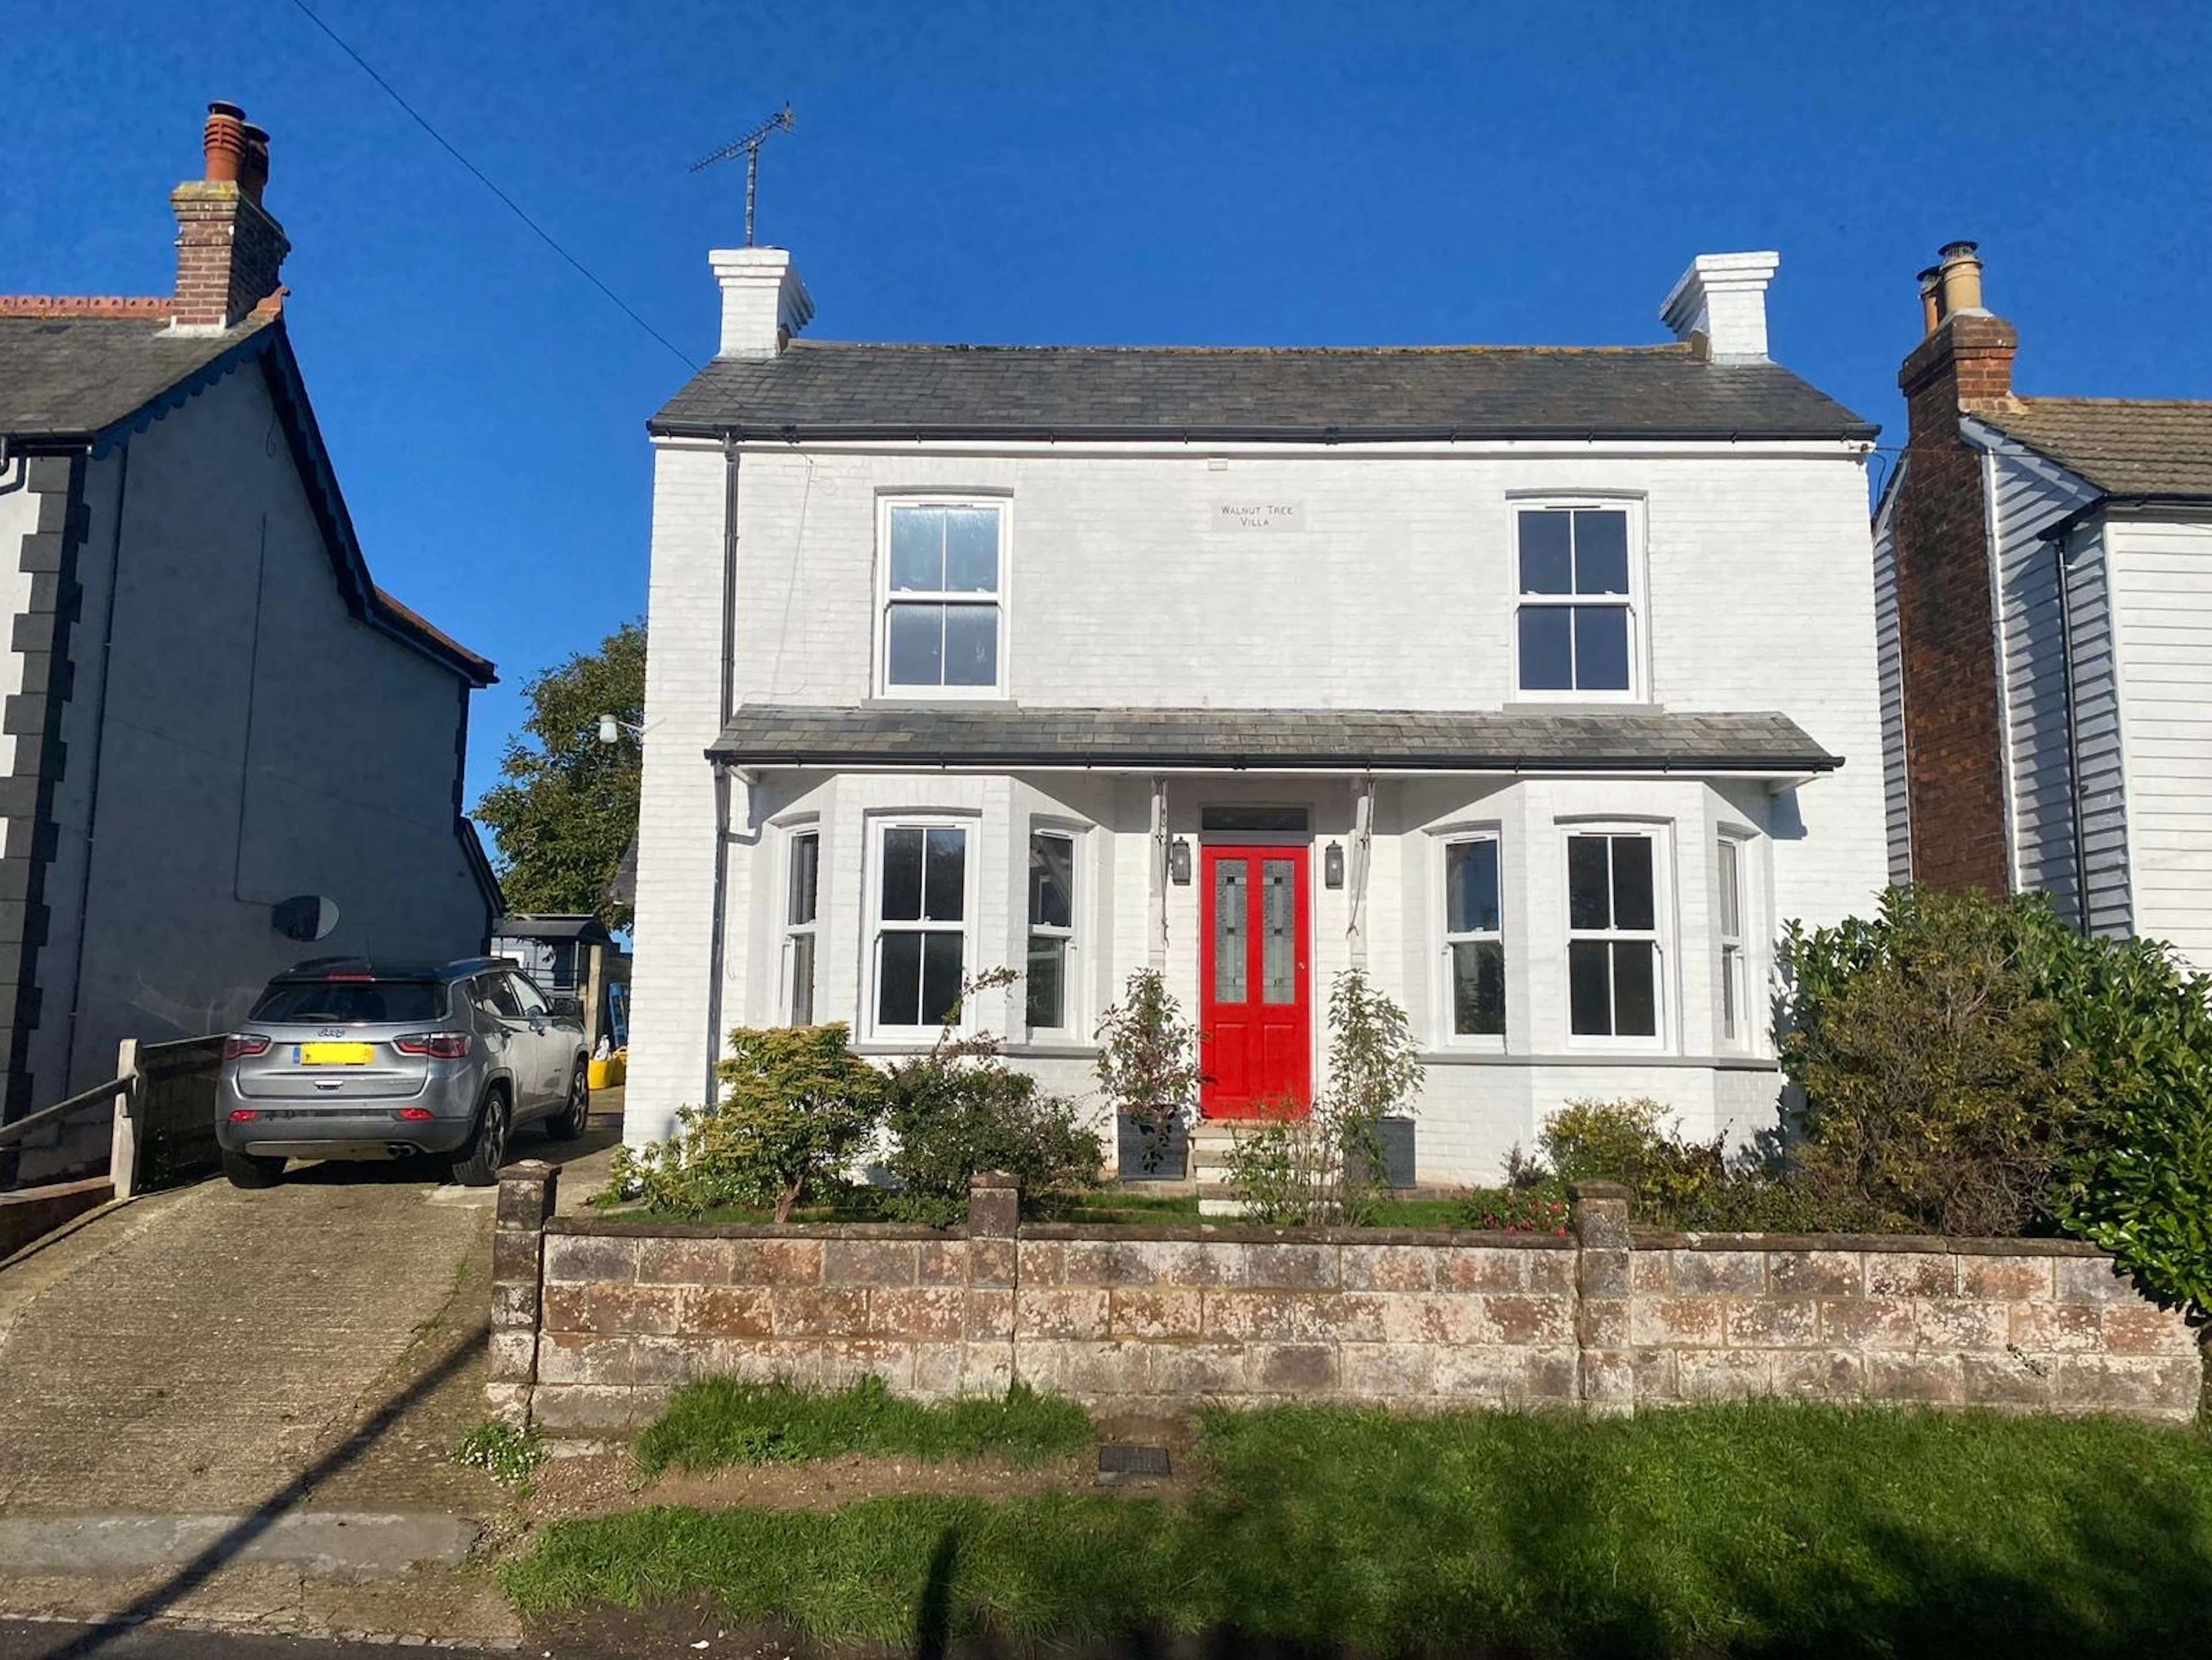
(1183, 173)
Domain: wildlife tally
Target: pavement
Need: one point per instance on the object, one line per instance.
(240, 1408)
(49, 1640)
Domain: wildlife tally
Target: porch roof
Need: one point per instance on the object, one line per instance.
(1005, 735)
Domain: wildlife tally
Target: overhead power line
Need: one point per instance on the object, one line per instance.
(481, 178)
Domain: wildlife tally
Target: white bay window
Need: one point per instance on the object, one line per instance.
(920, 916)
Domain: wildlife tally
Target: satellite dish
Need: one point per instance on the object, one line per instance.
(305, 916)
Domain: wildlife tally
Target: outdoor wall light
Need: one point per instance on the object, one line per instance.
(1178, 862)
(1332, 864)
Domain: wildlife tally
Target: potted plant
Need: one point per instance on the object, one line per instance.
(1148, 1064)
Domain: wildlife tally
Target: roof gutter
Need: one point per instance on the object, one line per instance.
(1802, 768)
(795, 433)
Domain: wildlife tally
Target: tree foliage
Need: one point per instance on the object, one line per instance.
(566, 806)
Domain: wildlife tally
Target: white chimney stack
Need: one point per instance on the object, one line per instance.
(764, 301)
(1722, 296)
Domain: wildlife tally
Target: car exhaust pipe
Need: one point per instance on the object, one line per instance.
(402, 1150)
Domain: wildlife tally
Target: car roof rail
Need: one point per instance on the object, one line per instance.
(461, 965)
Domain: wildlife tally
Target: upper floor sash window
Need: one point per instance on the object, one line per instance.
(943, 610)
(1577, 620)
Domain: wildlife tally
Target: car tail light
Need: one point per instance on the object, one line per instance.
(242, 1043)
(416, 1114)
(438, 1045)
(243, 1115)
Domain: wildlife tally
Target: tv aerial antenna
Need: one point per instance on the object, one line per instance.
(749, 146)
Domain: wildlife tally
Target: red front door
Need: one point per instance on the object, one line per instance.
(1256, 1025)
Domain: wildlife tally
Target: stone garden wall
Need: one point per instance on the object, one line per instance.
(596, 1321)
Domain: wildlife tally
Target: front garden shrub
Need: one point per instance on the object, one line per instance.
(1977, 1066)
(961, 1109)
(1674, 1182)
(797, 1106)
(1325, 1166)
(1940, 1088)
(1514, 1210)
(952, 1118)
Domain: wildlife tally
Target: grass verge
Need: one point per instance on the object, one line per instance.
(719, 1421)
(1761, 1531)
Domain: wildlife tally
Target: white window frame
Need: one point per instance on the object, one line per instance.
(1659, 935)
(1448, 1034)
(880, 826)
(1073, 835)
(885, 598)
(1732, 951)
(1638, 690)
(791, 933)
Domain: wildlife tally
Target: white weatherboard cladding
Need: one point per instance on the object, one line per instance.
(228, 608)
(1395, 589)
(2027, 495)
(2161, 574)
(1890, 658)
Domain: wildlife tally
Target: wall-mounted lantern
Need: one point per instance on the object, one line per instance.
(1179, 862)
(1332, 864)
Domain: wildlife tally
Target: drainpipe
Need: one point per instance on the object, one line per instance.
(2073, 736)
(1157, 947)
(718, 911)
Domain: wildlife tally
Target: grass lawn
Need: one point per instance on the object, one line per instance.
(1759, 1530)
(719, 1421)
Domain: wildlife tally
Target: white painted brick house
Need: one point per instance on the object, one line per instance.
(1542, 683)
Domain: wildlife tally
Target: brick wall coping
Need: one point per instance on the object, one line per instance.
(1900, 1244)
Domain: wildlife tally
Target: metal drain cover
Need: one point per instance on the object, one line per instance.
(1126, 1461)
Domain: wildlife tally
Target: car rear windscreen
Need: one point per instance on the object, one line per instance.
(351, 1002)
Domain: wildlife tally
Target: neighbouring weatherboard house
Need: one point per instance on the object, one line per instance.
(2044, 577)
(1540, 682)
(226, 748)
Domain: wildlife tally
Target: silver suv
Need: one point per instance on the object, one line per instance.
(343, 1058)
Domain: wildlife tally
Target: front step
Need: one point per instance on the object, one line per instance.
(1212, 1142)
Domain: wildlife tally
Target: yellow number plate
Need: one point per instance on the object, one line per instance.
(335, 1054)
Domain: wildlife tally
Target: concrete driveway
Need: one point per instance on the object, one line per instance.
(212, 1353)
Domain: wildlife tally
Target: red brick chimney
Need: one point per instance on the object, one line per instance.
(1946, 631)
(229, 250)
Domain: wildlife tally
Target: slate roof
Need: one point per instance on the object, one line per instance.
(1008, 735)
(76, 377)
(2140, 447)
(833, 389)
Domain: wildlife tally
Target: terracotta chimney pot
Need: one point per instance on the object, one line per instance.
(253, 165)
(1931, 298)
(223, 142)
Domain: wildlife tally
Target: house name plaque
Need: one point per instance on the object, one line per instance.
(1258, 516)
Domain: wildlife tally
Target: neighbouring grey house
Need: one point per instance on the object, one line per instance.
(225, 748)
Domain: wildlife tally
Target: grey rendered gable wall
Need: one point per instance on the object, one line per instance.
(2061, 717)
(1890, 668)
(39, 636)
